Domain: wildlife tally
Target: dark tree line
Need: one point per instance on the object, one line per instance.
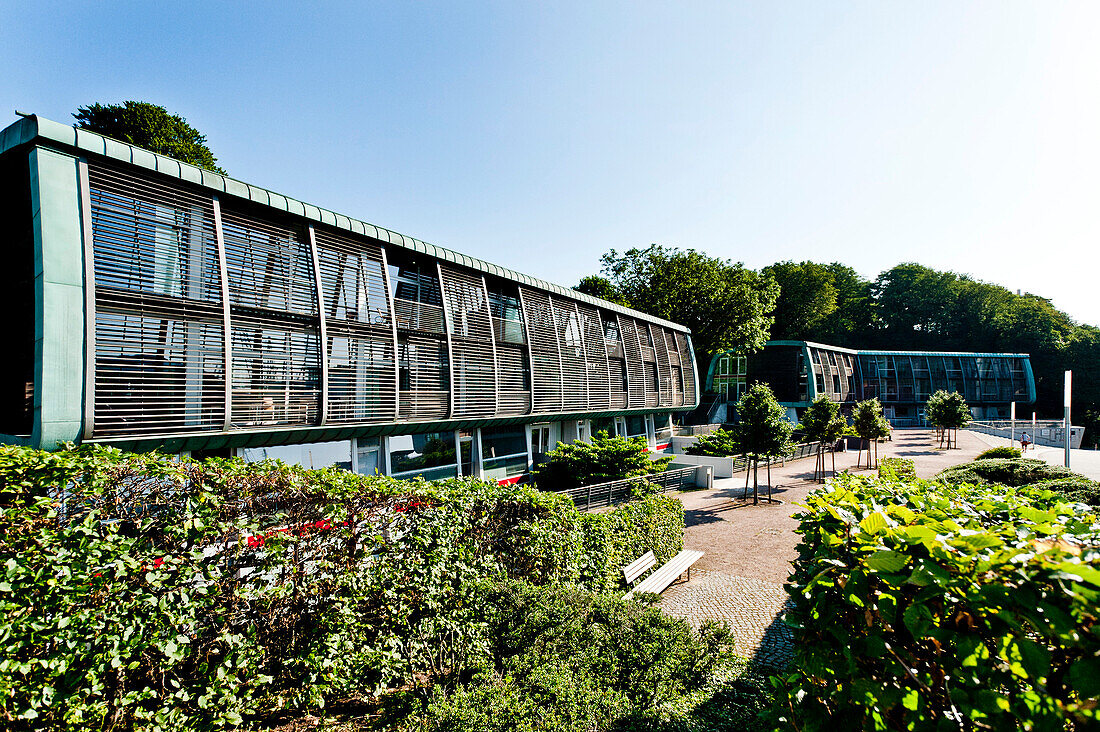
(907, 307)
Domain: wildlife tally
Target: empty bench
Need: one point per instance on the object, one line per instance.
(663, 577)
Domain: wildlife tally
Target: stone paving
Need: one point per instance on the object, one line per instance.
(749, 548)
(752, 609)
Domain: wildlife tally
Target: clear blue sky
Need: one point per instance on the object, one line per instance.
(964, 136)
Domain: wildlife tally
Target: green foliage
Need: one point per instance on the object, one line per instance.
(868, 420)
(762, 428)
(563, 659)
(601, 287)
(1004, 451)
(898, 468)
(927, 606)
(807, 297)
(599, 461)
(822, 421)
(725, 305)
(145, 592)
(948, 410)
(151, 127)
(720, 443)
(1025, 472)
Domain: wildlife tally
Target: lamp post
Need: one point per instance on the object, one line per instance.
(1066, 404)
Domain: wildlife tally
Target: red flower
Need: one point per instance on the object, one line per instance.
(158, 561)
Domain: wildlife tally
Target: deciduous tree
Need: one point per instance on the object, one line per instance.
(149, 126)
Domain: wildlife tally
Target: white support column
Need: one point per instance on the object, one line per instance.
(323, 351)
(227, 322)
(393, 326)
(447, 335)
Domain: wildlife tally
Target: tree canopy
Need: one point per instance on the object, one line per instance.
(822, 421)
(601, 287)
(807, 296)
(724, 304)
(762, 429)
(149, 126)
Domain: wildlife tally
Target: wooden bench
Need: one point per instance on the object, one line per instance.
(664, 576)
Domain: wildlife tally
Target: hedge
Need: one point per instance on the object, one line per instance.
(892, 467)
(142, 591)
(924, 606)
(1003, 451)
(1021, 472)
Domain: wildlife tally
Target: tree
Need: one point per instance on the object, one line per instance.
(913, 303)
(762, 430)
(601, 287)
(853, 320)
(948, 411)
(604, 459)
(870, 425)
(725, 305)
(151, 127)
(807, 297)
(823, 424)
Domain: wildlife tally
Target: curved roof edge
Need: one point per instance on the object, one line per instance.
(33, 127)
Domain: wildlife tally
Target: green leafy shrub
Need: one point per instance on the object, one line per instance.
(928, 606)
(1003, 451)
(720, 443)
(599, 461)
(566, 659)
(899, 468)
(147, 592)
(1003, 471)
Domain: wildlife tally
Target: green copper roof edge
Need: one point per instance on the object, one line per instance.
(32, 128)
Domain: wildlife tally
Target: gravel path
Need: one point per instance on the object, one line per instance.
(749, 548)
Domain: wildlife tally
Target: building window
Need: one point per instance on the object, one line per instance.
(422, 366)
(653, 378)
(368, 454)
(678, 379)
(430, 455)
(618, 373)
(503, 452)
(507, 316)
(635, 426)
(611, 330)
(540, 442)
(662, 427)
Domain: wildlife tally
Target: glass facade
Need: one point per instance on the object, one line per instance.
(430, 455)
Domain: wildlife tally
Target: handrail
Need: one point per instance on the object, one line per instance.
(618, 491)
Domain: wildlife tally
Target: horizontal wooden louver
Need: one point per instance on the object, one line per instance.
(473, 368)
(599, 391)
(424, 378)
(634, 369)
(682, 345)
(159, 365)
(567, 323)
(362, 379)
(514, 377)
(664, 374)
(276, 375)
(545, 360)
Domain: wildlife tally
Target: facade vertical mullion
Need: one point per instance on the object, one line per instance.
(493, 343)
(393, 329)
(668, 360)
(323, 350)
(85, 192)
(530, 353)
(584, 350)
(557, 341)
(227, 318)
(447, 328)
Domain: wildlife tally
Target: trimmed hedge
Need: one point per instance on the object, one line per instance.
(897, 468)
(923, 606)
(142, 591)
(1020, 472)
(1003, 451)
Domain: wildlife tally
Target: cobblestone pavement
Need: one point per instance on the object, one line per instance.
(749, 548)
(752, 609)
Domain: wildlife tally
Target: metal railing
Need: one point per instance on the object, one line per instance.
(1049, 432)
(602, 495)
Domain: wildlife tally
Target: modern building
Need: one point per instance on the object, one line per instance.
(152, 304)
(800, 371)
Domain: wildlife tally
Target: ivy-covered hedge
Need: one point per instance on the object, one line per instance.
(923, 606)
(140, 591)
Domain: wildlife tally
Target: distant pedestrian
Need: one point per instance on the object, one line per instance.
(1025, 440)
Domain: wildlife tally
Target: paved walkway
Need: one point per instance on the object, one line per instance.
(749, 548)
